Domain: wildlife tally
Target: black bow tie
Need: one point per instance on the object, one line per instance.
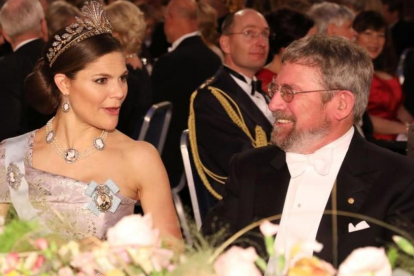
(256, 84)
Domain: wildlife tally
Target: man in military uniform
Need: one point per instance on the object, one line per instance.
(229, 113)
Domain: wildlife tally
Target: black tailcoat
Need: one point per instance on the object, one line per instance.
(175, 77)
(380, 182)
(16, 115)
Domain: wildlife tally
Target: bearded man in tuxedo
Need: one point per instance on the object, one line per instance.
(318, 161)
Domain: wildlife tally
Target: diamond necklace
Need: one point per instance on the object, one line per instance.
(71, 155)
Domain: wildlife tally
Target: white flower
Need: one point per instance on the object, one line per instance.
(366, 261)
(268, 229)
(237, 262)
(134, 230)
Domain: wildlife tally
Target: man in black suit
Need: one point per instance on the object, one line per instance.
(24, 27)
(177, 74)
(230, 111)
(319, 161)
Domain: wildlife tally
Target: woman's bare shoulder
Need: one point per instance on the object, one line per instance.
(133, 150)
(143, 159)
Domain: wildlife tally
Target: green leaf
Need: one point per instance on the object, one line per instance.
(392, 255)
(270, 245)
(15, 234)
(261, 264)
(404, 245)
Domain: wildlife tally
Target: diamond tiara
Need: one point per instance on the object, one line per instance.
(93, 20)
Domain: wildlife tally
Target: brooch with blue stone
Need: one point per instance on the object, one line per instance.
(14, 177)
(103, 197)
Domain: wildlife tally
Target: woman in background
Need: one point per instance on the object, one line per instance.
(385, 105)
(129, 28)
(78, 175)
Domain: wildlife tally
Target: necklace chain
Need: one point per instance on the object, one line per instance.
(71, 154)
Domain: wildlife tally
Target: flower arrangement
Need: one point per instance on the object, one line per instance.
(134, 247)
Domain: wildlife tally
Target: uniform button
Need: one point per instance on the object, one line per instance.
(351, 200)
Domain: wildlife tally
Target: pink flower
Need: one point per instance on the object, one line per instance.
(237, 262)
(268, 229)
(65, 271)
(161, 258)
(85, 262)
(41, 243)
(122, 254)
(39, 262)
(12, 260)
(366, 260)
(134, 230)
(33, 261)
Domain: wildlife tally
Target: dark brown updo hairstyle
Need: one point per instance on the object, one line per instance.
(40, 88)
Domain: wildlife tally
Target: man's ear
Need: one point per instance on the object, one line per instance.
(63, 83)
(225, 44)
(330, 30)
(344, 104)
(6, 37)
(45, 32)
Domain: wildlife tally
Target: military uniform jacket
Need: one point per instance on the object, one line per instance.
(218, 137)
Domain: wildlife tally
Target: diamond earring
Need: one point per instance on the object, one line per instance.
(66, 105)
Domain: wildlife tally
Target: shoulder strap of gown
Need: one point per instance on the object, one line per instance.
(16, 149)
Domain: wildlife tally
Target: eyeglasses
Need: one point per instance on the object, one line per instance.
(250, 35)
(287, 93)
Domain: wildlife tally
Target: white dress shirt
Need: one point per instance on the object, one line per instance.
(175, 44)
(21, 44)
(257, 98)
(308, 194)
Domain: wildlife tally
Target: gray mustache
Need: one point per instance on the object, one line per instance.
(279, 115)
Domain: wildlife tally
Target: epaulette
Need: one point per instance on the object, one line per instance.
(207, 82)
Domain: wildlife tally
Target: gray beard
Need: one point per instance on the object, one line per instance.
(298, 141)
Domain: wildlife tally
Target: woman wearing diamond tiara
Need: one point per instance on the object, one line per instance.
(78, 175)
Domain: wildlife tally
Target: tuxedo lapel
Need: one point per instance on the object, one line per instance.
(354, 183)
(271, 187)
(356, 178)
(248, 107)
